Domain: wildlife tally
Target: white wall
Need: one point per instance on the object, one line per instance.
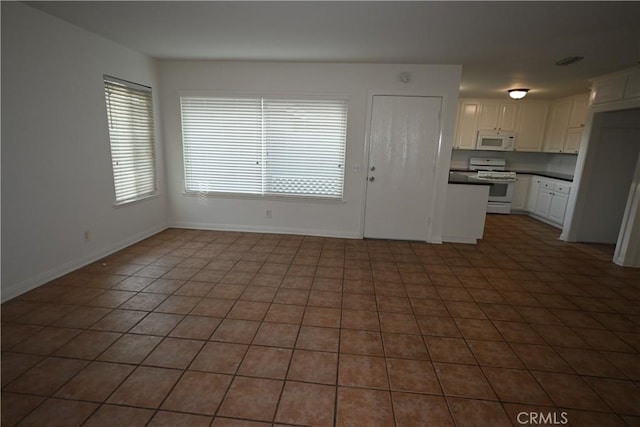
(356, 81)
(56, 167)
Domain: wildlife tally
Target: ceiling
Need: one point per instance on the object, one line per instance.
(499, 44)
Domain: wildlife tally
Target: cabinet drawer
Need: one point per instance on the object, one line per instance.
(562, 188)
(547, 184)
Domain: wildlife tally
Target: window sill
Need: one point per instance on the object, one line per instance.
(135, 201)
(275, 198)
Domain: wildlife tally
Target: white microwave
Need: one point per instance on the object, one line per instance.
(495, 140)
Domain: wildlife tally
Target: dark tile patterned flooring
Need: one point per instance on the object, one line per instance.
(205, 328)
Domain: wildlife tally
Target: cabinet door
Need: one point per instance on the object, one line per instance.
(508, 117)
(467, 126)
(534, 190)
(572, 141)
(544, 203)
(558, 207)
(632, 90)
(558, 124)
(531, 124)
(489, 115)
(578, 111)
(609, 89)
(521, 192)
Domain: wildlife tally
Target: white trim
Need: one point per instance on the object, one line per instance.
(626, 253)
(136, 200)
(465, 240)
(266, 229)
(11, 291)
(266, 197)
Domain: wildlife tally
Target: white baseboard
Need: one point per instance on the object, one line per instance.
(11, 291)
(467, 240)
(270, 230)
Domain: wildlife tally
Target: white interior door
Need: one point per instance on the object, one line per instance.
(403, 145)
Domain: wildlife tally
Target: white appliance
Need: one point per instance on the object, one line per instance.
(501, 192)
(495, 140)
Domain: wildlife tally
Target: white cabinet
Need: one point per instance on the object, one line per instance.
(566, 121)
(532, 120)
(465, 213)
(578, 115)
(526, 118)
(521, 193)
(558, 207)
(534, 191)
(544, 203)
(558, 125)
(467, 124)
(548, 199)
(572, 140)
(498, 115)
(616, 87)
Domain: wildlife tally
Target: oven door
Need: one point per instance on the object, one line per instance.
(501, 191)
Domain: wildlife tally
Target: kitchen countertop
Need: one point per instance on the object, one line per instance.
(562, 176)
(458, 178)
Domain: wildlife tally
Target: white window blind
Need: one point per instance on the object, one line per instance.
(222, 144)
(131, 134)
(264, 146)
(305, 142)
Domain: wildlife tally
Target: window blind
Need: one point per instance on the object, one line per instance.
(222, 145)
(264, 146)
(131, 135)
(305, 144)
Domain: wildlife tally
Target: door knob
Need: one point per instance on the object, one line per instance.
(372, 168)
(372, 179)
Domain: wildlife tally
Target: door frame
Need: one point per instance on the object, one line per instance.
(442, 160)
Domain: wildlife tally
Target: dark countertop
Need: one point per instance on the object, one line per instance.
(555, 175)
(458, 178)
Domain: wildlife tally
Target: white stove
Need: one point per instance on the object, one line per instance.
(501, 192)
(496, 176)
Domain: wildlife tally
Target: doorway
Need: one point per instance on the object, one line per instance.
(403, 146)
(610, 165)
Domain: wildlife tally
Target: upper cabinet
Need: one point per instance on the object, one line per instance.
(530, 127)
(498, 115)
(566, 121)
(467, 125)
(476, 114)
(616, 87)
(553, 127)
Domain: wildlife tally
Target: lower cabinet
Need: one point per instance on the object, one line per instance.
(548, 199)
(521, 193)
(558, 207)
(534, 192)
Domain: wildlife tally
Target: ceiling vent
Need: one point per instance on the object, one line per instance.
(570, 60)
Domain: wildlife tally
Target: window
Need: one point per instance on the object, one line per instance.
(264, 146)
(131, 134)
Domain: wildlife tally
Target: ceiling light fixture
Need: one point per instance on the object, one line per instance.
(518, 93)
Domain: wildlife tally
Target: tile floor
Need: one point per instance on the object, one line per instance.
(202, 328)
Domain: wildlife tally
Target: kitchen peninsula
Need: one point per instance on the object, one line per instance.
(465, 209)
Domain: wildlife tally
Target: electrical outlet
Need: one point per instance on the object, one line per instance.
(267, 213)
(355, 168)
